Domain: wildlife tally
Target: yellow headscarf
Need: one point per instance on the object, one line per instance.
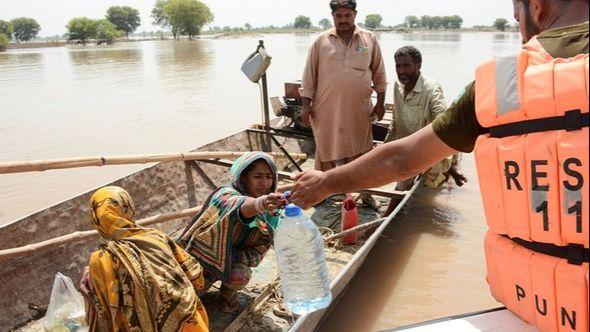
(141, 279)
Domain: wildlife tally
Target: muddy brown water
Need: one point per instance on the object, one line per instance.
(164, 96)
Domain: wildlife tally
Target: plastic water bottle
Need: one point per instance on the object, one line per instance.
(302, 266)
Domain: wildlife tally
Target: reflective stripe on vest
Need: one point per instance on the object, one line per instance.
(533, 176)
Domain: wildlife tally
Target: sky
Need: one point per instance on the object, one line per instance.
(53, 15)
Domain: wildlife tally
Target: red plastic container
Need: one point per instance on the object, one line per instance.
(350, 219)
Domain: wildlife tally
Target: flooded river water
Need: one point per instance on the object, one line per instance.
(164, 96)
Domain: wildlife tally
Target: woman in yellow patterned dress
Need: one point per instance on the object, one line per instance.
(139, 279)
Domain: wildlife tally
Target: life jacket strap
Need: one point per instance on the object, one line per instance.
(572, 120)
(575, 254)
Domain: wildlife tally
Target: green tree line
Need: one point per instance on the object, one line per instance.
(21, 29)
(118, 22)
(453, 22)
(182, 17)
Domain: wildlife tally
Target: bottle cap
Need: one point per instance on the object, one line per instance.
(293, 210)
(287, 195)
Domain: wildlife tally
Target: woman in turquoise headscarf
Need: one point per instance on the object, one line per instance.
(234, 231)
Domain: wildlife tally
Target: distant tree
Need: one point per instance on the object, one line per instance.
(412, 22)
(325, 23)
(436, 22)
(81, 30)
(248, 26)
(302, 22)
(451, 22)
(159, 15)
(106, 32)
(25, 28)
(6, 29)
(124, 18)
(361, 25)
(3, 42)
(373, 21)
(501, 24)
(426, 22)
(183, 17)
(456, 22)
(446, 22)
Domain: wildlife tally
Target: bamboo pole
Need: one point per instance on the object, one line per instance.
(43, 165)
(86, 235)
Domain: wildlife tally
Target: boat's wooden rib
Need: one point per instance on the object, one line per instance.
(158, 190)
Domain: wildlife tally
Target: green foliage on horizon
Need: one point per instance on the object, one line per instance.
(325, 23)
(412, 22)
(25, 28)
(183, 17)
(3, 42)
(453, 22)
(501, 24)
(302, 22)
(373, 21)
(82, 30)
(6, 29)
(124, 18)
(106, 32)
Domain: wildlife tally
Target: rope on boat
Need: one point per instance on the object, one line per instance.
(43, 165)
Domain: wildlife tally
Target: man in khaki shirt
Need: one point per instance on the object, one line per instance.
(343, 69)
(418, 100)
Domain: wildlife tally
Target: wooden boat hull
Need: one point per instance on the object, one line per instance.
(158, 189)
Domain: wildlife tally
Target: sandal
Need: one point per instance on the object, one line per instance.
(228, 306)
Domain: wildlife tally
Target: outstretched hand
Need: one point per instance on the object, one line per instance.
(310, 189)
(274, 202)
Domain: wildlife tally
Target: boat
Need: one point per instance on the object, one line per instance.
(59, 238)
(167, 193)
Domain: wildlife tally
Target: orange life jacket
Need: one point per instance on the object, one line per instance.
(533, 176)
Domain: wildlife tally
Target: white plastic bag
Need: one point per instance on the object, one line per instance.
(256, 64)
(66, 307)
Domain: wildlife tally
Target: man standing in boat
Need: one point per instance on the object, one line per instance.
(417, 101)
(343, 69)
(526, 118)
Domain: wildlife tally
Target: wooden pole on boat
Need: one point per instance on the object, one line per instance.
(43, 165)
(265, 95)
(85, 235)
